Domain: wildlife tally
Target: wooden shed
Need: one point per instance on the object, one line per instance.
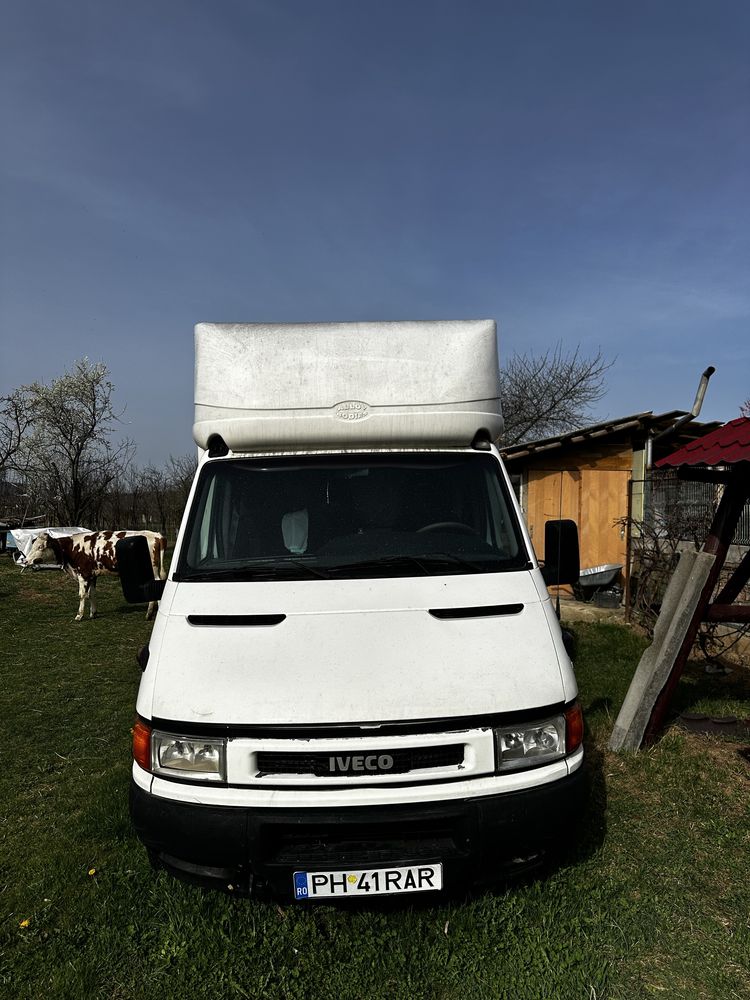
(595, 476)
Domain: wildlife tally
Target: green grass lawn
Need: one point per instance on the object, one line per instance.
(654, 904)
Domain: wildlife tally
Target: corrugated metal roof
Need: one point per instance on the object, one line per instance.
(726, 445)
(644, 422)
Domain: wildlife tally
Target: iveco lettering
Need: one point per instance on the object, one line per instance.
(371, 762)
(356, 684)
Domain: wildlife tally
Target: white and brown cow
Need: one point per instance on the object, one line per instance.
(88, 555)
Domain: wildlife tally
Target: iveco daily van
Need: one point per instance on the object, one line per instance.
(356, 683)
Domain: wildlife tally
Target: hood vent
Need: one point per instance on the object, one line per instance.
(489, 611)
(234, 621)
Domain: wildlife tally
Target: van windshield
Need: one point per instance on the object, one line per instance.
(350, 516)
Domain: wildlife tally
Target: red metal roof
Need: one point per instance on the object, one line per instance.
(726, 445)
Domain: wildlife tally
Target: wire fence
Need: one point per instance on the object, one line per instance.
(684, 510)
(667, 515)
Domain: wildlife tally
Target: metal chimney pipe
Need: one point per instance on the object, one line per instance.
(699, 397)
(700, 394)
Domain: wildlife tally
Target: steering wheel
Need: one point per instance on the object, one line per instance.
(455, 526)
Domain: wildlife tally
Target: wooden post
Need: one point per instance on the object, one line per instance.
(628, 547)
(719, 539)
(731, 590)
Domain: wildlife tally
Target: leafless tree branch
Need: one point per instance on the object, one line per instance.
(549, 393)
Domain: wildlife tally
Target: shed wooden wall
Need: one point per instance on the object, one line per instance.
(591, 487)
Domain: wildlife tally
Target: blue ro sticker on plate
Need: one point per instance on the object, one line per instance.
(375, 882)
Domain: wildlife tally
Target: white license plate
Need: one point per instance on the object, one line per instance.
(367, 882)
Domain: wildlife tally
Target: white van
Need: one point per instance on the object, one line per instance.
(356, 683)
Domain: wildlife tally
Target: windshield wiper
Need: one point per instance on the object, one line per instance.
(380, 562)
(270, 568)
(267, 569)
(437, 557)
(426, 563)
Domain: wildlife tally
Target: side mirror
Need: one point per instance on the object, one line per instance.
(562, 563)
(136, 572)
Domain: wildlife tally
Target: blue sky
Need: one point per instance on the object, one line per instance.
(578, 171)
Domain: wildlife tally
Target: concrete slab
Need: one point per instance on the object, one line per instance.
(678, 607)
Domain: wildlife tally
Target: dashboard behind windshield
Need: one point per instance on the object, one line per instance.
(349, 516)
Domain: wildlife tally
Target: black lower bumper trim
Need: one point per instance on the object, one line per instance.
(244, 850)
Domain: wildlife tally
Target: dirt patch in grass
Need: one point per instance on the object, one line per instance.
(39, 597)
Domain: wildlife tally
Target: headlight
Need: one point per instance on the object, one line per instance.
(530, 744)
(188, 758)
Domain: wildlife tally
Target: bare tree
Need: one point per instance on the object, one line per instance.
(156, 487)
(129, 502)
(745, 408)
(70, 459)
(151, 497)
(136, 505)
(114, 512)
(15, 424)
(181, 474)
(550, 393)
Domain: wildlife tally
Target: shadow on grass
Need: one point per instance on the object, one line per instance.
(593, 822)
(131, 609)
(605, 705)
(696, 687)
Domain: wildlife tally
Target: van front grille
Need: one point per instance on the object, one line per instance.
(365, 844)
(362, 764)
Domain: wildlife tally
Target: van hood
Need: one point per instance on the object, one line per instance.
(354, 651)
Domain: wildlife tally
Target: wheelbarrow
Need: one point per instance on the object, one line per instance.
(594, 579)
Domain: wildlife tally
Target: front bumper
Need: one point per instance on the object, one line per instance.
(256, 850)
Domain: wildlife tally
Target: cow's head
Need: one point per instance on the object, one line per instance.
(41, 551)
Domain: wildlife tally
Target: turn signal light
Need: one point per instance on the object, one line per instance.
(142, 745)
(573, 727)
